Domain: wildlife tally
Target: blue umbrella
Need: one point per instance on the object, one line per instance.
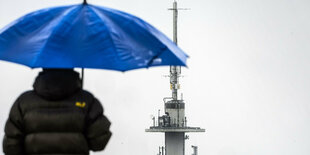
(87, 36)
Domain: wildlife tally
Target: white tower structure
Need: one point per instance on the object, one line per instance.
(173, 123)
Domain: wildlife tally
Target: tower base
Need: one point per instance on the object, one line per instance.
(174, 143)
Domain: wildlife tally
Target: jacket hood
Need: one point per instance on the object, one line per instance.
(56, 84)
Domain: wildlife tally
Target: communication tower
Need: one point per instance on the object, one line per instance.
(174, 123)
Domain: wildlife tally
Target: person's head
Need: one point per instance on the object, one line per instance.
(54, 83)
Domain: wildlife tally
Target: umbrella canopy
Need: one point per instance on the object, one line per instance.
(87, 36)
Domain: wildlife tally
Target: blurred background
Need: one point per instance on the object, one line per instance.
(247, 81)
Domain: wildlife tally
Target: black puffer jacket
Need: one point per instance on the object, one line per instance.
(57, 117)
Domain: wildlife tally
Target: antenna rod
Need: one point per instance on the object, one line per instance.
(175, 22)
(175, 71)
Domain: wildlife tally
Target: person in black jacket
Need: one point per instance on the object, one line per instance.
(56, 117)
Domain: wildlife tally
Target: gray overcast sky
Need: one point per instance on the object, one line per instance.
(247, 82)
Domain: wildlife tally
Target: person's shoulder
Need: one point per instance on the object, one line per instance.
(24, 98)
(86, 93)
(26, 94)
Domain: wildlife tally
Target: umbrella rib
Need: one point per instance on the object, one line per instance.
(107, 18)
(109, 33)
(52, 32)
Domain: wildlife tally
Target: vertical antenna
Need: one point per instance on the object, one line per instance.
(175, 22)
(175, 71)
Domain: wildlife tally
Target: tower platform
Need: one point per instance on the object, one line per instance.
(175, 129)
